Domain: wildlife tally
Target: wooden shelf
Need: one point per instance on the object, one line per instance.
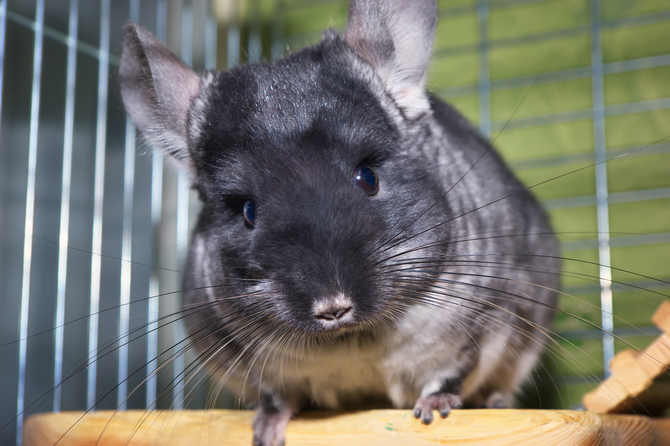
(377, 427)
(640, 382)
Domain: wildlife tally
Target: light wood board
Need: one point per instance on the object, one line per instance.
(377, 427)
(640, 380)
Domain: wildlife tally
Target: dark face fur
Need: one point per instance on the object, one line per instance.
(313, 246)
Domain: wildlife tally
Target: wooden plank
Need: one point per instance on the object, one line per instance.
(640, 379)
(639, 382)
(610, 394)
(376, 427)
(661, 317)
(627, 370)
(656, 357)
(611, 397)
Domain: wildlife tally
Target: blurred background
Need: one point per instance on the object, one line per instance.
(94, 229)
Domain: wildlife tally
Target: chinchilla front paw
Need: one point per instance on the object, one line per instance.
(441, 401)
(270, 425)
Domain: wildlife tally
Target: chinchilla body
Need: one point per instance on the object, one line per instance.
(360, 243)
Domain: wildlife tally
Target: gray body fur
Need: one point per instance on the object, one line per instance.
(473, 329)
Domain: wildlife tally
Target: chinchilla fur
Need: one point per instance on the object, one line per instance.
(360, 244)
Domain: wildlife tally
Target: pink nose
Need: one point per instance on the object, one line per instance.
(332, 312)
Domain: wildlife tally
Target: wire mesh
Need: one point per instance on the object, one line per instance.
(82, 206)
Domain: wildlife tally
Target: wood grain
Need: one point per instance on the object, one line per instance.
(376, 427)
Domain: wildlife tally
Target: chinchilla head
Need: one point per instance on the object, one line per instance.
(313, 171)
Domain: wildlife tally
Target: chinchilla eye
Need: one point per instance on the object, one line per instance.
(250, 212)
(366, 180)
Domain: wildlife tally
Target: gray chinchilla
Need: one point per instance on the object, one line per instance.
(359, 244)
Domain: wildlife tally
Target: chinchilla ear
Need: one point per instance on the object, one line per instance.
(396, 37)
(157, 90)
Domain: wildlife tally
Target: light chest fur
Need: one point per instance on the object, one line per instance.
(423, 349)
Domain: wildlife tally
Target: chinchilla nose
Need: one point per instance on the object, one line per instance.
(334, 312)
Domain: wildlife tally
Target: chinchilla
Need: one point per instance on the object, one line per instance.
(360, 244)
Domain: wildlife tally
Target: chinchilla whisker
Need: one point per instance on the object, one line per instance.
(557, 350)
(539, 268)
(122, 260)
(166, 392)
(249, 339)
(506, 295)
(510, 267)
(560, 353)
(161, 366)
(426, 268)
(198, 366)
(504, 233)
(273, 349)
(214, 393)
(420, 263)
(192, 369)
(110, 346)
(100, 353)
(262, 344)
(548, 334)
(222, 381)
(286, 343)
(443, 291)
(218, 346)
(115, 307)
(496, 235)
(198, 336)
(417, 295)
(454, 240)
(162, 395)
(523, 190)
(254, 356)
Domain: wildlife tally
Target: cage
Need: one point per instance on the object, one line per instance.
(573, 93)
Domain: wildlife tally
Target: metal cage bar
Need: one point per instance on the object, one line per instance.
(602, 205)
(126, 244)
(484, 83)
(99, 184)
(30, 214)
(156, 208)
(63, 240)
